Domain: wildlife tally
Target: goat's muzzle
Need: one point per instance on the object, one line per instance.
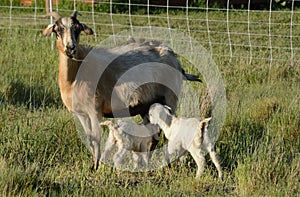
(70, 51)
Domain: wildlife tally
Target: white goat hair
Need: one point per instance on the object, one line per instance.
(129, 136)
(90, 78)
(184, 134)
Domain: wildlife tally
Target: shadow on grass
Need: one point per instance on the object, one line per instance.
(243, 137)
(34, 96)
(32, 185)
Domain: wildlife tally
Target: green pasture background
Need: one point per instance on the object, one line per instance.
(41, 152)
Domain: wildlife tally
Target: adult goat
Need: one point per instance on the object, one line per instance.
(92, 83)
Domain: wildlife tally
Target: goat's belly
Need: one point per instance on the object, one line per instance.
(140, 109)
(127, 112)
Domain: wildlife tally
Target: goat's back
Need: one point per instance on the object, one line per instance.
(143, 74)
(133, 129)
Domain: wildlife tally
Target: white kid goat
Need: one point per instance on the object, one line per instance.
(129, 136)
(184, 134)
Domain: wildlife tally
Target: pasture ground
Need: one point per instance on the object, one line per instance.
(41, 152)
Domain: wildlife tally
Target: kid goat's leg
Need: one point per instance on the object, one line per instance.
(109, 145)
(136, 160)
(199, 159)
(215, 159)
(118, 157)
(145, 151)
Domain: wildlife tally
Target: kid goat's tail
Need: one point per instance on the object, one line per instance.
(202, 128)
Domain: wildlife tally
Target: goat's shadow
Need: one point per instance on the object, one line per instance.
(32, 96)
(240, 142)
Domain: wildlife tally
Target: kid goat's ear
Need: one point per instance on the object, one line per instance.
(167, 118)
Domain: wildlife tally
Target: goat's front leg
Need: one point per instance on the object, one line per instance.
(182, 156)
(145, 152)
(167, 156)
(86, 124)
(118, 157)
(169, 150)
(95, 139)
(92, 131)
(136, 159)
(109, 145)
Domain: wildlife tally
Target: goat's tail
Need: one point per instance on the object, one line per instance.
(111, 126)
(106, 123)
(202, 128)
(191, 77)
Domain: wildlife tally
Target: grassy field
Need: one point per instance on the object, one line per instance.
(41, 152)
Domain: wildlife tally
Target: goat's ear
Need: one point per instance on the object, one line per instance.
(169, 109)
(167, 118)
(86, 29)
(48, 30)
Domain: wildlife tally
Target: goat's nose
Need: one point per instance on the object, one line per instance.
(71, 48)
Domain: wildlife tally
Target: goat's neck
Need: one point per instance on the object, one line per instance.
(166, 128)
(67, 72)
(68, 67)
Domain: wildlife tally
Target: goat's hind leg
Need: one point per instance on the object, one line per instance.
(199, 158)
(215, 159)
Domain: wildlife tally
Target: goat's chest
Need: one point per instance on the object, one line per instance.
(66, 96)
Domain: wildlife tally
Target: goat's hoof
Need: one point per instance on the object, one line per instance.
(221, 178)
(169, 165)
(94, 168)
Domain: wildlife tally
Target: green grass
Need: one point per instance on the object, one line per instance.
(41, 152)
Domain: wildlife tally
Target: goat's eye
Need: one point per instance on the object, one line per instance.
(75, 26)
(60, 29)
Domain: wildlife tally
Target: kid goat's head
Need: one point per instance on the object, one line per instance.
(159, 113)
(67, 30)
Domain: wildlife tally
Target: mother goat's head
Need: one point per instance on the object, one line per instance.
(67, 30)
